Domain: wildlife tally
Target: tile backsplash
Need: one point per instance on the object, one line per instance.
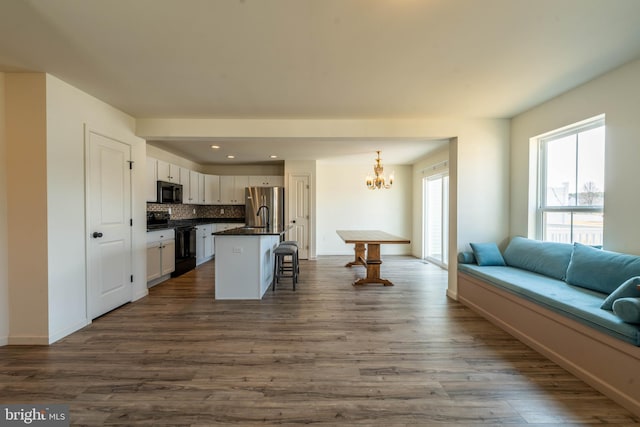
(182, 211)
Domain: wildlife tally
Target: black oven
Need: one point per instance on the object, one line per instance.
(169, 192)
(185, 249)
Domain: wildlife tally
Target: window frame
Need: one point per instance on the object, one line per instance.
(542, 141)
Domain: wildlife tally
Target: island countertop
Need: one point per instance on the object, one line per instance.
(254, 231)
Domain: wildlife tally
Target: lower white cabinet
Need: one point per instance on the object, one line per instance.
(161, 255)
(204, 242)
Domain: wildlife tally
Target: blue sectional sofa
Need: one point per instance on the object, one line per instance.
(576, 304)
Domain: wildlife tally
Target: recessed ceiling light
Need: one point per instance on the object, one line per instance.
(273, 156)
(231, 156)
(215, 147)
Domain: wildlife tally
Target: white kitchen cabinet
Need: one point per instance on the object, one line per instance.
(194, 188)
(161, 250)
(266, 181)
(232, 189)
(168, 172)
(201, 190)
(240, 183)
(204, 242)
(211, 190)
(185, 180)
(152, 180)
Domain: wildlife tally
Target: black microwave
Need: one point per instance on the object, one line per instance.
(169, 192)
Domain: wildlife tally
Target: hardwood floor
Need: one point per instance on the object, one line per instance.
(328, 353)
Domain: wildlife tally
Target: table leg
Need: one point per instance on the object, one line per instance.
(360, 253)
(373, 267)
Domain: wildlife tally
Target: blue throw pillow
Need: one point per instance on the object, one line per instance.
(628, 309)
(466, 258)
(548, 258)
(487, 254)
(627, 289)
(599, 270)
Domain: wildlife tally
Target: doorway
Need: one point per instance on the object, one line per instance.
(298, 201)
(109, 231)
(435, 239)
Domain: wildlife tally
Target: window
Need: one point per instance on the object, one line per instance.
(571, 187)
(436, 219)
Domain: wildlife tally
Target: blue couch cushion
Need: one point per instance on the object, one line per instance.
(580, 304)
(548, 258)
(466, 258)
(600, 270)
(628, 309)
(627, 289)
(487, 254)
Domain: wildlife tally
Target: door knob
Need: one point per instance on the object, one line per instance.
(294, 221)
(96, 234)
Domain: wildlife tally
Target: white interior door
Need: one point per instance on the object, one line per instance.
(108, 228)
(299, 213)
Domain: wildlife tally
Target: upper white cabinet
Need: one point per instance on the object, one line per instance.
(232, 189)
(185, 181)
(194, 188)
(266, 181)
(168, 172)
(201, 190)
(204, 189)
(211, 189)
(240, 183)
(152, 179)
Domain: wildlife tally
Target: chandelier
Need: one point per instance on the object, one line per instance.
(379, 181)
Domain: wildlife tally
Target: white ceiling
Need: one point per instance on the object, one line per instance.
(320, 58)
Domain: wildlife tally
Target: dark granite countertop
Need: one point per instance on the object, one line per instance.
(254, 231)
(196, 221)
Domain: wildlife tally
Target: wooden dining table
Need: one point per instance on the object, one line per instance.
(367, 252)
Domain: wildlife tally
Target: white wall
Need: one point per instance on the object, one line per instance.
(4, 274)
(68, 110)
(617, 95)
(345, 203)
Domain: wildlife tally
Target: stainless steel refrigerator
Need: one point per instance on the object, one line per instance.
(264, 204)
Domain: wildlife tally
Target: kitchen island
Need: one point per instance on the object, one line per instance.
(244, 261)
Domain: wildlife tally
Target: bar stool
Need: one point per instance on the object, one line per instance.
(281, 266)
(293, 243)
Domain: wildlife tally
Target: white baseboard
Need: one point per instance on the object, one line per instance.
(68, 331)
(4, 341)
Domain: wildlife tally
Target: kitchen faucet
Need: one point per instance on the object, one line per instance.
(260, 210)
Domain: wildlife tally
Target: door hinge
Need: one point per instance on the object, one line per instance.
(130, 222)
(132, 278)
(130, 164)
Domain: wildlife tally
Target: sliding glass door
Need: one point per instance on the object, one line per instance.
(435, 216)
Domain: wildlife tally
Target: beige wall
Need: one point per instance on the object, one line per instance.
(27, 207)
(4, 253)
(617, 95)
(345, 203)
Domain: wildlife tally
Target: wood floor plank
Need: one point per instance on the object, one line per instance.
(328, 354)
